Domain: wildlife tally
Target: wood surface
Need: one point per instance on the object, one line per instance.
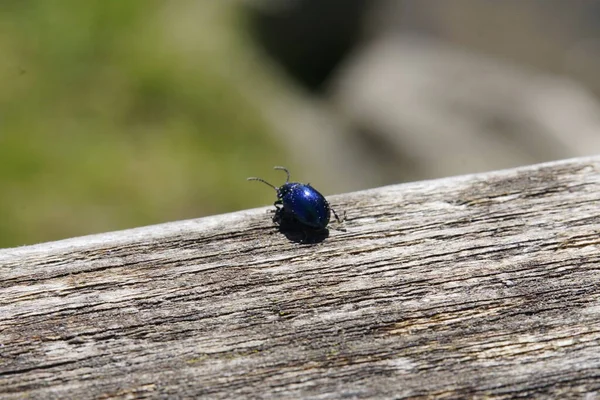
(477, 286)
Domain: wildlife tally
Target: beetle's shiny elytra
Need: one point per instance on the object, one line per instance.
(300, 202)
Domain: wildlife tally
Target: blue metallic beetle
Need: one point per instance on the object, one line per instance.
(300, 203)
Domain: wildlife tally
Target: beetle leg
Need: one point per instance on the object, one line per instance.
(338, 218)
(277, 209)
(337, 228)
(277, 217)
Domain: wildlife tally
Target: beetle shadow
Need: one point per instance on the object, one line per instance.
(296, 232)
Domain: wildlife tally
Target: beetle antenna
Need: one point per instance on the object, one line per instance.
(261, 180)
(286, 171)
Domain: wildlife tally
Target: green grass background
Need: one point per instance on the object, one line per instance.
(116, 114)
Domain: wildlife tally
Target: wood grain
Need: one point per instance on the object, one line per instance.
(477, 286)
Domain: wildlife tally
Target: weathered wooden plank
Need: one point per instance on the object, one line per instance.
(483, 285)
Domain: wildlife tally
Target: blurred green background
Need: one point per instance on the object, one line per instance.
(116, 114)
(123, 113)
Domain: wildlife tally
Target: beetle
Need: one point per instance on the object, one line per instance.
(300, 203)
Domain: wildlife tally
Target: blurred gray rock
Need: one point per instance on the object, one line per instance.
(396, 90)
(451, 112)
